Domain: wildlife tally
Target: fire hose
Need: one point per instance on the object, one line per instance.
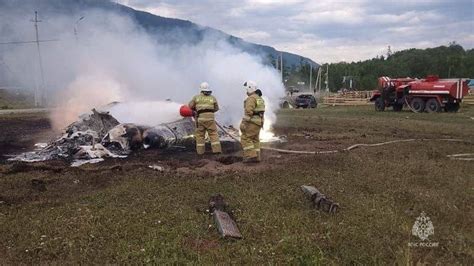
(463, 156)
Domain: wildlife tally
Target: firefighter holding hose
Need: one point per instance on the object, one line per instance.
(252, 123)
(204, 106)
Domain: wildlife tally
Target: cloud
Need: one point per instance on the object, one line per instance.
(331, 30)
(164, 10)
(273, 2)
(258, 36)
(330, 18)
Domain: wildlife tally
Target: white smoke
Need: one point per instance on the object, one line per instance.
(112, 59)
(83, 94)
(149, 113)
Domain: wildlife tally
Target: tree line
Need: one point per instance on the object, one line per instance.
(451, 61)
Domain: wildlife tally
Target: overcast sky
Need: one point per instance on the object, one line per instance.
(329, 30)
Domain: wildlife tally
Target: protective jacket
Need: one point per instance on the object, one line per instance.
(205, 106)
(254, 109)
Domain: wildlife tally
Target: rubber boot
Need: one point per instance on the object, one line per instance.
(252, 160)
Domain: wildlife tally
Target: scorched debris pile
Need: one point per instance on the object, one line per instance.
(98, 134)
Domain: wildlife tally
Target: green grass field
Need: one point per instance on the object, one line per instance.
(130, 214)
(16, 99)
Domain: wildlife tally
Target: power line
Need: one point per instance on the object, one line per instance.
(39, 94)
(281, 66)
(75, 27)
(25, 42)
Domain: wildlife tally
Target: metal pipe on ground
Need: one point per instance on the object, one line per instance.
(319, 200)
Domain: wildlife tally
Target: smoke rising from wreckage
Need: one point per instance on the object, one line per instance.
(98, 134)
(98, 71)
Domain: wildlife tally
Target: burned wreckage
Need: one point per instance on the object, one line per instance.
(98, 134)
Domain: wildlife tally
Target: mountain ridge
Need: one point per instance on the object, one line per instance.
(161, 28)
(291, 58)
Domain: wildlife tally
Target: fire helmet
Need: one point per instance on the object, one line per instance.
(250, 86)
(204, 87)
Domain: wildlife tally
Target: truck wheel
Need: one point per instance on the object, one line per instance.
(452, 107)
(433, 106)
(397, 107)
(379, 105)
(417, 105)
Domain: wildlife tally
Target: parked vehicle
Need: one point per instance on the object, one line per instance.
(430, 94)
(305, 101)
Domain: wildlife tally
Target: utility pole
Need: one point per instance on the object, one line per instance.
(320, 70)
(318, 77)
(281, 67)
(389, 51)
(327, 78)
(39, 94)
(310, 76)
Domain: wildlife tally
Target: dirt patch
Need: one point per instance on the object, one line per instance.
(200, 245)
(4, 201)
(56, 181)
(218, 165)
(20, 133)
(230, 159)
(22, 167)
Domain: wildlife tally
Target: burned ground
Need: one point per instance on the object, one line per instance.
(122, 211)
(19, 132)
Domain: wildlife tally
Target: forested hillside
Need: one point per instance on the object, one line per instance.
(445, 61)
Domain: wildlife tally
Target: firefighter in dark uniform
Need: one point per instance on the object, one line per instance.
(252, 123)
(205, 105)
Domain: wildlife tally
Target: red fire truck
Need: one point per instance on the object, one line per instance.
(430, 94)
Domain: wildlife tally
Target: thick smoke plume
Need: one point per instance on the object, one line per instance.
(111, 58)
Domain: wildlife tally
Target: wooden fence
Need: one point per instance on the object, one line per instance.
(469, 99)
(351, 98)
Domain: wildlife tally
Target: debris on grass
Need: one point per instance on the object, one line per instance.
(156, 168)
(216, 202)
(226, 225)
(97, 135)
(319, 200)
(78, 163)
(80, 141)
